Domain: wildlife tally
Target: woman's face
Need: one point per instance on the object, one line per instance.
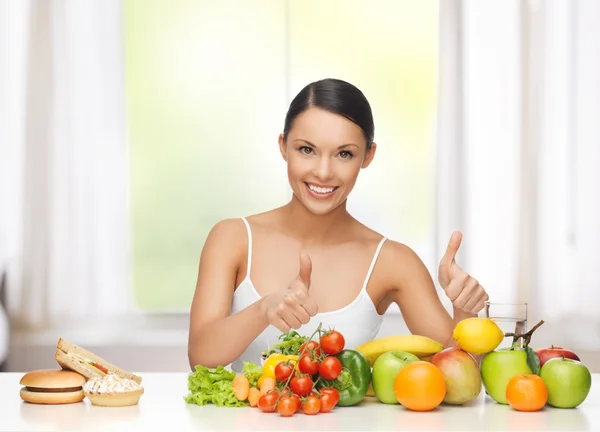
(324, 154)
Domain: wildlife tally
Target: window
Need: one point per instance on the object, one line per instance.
(208, 86)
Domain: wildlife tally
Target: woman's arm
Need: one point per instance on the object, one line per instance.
(215, 336)
(414, 292)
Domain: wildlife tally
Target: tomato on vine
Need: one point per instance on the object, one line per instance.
(330, 368)
(283, 370)
(288, 405)
(312, 405)
(308, 365)
(268, 401)
(311, 347)
(301, 385)
(332, 392)
(332, 342)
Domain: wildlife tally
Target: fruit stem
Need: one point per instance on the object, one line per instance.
(525, 336)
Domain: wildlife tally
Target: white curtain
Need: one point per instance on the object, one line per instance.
(64, 226)
(519, 153)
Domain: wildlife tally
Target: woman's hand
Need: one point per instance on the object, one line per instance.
(461, 288)
(293, 306)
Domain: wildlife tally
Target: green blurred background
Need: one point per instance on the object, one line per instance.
(208, 84)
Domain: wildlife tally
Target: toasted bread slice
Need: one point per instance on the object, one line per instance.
(72, 357)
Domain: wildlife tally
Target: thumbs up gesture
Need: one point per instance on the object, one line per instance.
(293, 306)
(461, 288)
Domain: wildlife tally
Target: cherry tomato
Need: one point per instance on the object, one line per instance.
(288, 405)
(312, 405)
(310, 346)
(268, 401)
(283, 370)
(332, 342)
(307, 365)
(297, 400)
(328, 402)
(330, 368)
(301, 385)
(332, 392)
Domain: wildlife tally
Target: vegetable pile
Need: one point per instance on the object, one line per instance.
(325, 375)
(301, 374)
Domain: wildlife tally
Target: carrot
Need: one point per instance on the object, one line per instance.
(241, 387)
(267, 385)
(253, 396)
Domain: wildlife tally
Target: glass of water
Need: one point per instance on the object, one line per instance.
(510, 317)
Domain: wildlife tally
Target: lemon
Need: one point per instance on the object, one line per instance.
(478, 335)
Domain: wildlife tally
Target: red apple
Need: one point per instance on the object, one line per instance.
(461, 373)
(546, 354)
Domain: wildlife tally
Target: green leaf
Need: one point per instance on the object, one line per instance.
(533, 360)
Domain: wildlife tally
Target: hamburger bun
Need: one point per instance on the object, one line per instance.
(51, 386)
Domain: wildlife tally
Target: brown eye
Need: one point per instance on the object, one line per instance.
(346, 155)
(305, 150)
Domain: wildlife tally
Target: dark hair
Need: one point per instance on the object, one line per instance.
(338, 97)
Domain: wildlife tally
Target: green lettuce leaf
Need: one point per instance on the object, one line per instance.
(252, 371)
(214, 386)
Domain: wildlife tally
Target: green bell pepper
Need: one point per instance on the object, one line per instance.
(354, 380)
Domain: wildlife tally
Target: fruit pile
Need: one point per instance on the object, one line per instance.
(518, 376)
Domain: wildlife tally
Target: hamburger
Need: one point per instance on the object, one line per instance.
(74, 358)
(52, 386)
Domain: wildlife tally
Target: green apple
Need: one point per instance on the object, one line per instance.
(568, 382)
(498, 367)
(385, 369)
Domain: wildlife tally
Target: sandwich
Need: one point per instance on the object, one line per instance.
(74, 358)
(52, 387)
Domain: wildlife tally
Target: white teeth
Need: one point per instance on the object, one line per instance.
(320, 190)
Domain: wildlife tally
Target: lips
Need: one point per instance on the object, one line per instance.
(320, 191)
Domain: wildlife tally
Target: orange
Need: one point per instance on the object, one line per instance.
(420, 386)
(526, 393)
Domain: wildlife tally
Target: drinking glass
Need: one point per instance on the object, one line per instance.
(510, 317)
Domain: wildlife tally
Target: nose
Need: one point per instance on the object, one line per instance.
(323, 169)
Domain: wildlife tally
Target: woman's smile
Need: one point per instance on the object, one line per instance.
(320, 191)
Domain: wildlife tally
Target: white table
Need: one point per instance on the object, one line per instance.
(162, 408)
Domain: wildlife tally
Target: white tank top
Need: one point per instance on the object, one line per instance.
(359, 321)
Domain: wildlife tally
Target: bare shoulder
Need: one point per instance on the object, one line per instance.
(227, 236)
(227, 230)
(401, 265)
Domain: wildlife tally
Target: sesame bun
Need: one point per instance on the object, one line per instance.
(50, 386)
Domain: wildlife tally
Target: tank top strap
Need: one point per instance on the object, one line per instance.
(373, 261)
(249, 265)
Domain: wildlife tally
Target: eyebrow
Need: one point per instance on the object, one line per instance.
(312, 145)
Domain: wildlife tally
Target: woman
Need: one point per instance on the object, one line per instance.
(310, 261)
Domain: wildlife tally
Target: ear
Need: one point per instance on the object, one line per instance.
(369, 156)
(282, 147)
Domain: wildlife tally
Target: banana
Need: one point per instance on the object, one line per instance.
(421, 346)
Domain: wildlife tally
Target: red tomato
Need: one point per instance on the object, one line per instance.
(283, 370)
(330, 368)
(332, 342)
(328, 402)
(268, 402)
(312, 405)
(311, 346)
(297, 400)
(332, 392)
(308, 365)
(288, 405)
(301, 385)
